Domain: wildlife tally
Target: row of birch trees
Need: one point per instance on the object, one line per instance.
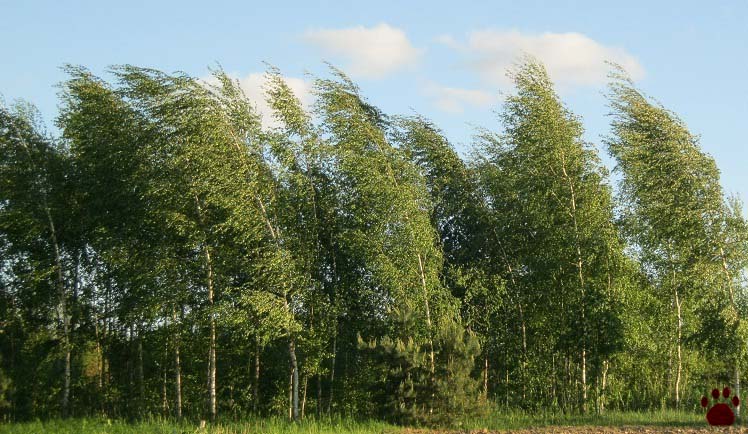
(163, 253)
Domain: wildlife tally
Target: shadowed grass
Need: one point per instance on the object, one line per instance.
(499, 420)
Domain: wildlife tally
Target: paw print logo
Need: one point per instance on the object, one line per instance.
(721, 413)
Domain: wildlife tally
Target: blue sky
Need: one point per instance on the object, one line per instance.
(443, 60)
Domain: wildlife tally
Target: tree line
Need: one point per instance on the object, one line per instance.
(164, 254)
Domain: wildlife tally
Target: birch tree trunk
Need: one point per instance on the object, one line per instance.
(679, 349)
(139, 371)
(432, 365)
(678, 330)
(60, 287)
(728, 283)
(332, 371)
(256, 400)
(177, 371)
(212, 350)
(303, 398)
(60, 283)
(294, 380)
(580, 275)
(737, 389)
(212, 399)
(319, 395)
(99, 365)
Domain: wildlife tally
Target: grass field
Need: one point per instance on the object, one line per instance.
(520, 420)
(268, 425)
(611, 422)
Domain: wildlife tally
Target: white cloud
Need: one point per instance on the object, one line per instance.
(371, 52)
(454, 99)
(572, 59)
(253, 86)
(448, 40)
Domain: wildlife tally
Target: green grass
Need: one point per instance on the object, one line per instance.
(496, 421)
(264, 426)
(505, 420)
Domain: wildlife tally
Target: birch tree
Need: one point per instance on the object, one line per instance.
(556, 195)
(36, 219)
(671, 202)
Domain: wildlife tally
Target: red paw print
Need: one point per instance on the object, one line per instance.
(721, 414)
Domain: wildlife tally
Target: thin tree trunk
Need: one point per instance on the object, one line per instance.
(680, 356)
(580, 275)
(319, 395)
(177, 370)
(139, 370)
(99, 365)
(604, 390)
(165, 374)
(554, 376)
(212, 404)
(164, 389)
(12, 360)
(678, 328)
(60, 283)
(256, 400)
(584, 380)
(346, 373)
(728, 281)
(106, 330)
(212, 349)
(506, 361)
(485, 377)
(569, 380)
(332, 370)
(737, 390)
(131, 384)
(432, 365)
(294, 397)
(523, 374)
(303, 399)
(523, 327)
(290, 394)
(66, 386)
(506, 388)
(61, 293)
(294, 380)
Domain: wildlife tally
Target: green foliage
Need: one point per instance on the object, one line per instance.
(169, 257)
(406, 390)
(683, 232)
(547, 194)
